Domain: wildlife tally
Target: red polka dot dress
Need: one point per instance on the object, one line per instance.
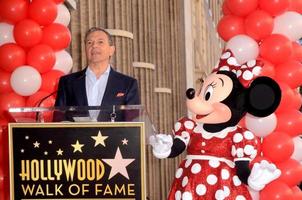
(208, 172)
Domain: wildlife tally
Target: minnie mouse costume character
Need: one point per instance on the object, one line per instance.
(218, 151)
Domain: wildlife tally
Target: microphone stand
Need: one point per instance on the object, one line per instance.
(39, 116)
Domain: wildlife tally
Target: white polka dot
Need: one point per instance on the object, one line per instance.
(248, 149)
(219, 195)
(251, 63)
(224, 68)
(233, 152)
(196, 168)
(201, 189)
(236, 181)
(231, 61)
(240, 197)
(248, 135)
(254, 154)
(243, 67)
(187, 196)
(203, 144)
(198, 129)
(247, 75)
(188, 163)
(202, 151)
(237, 137)
(257, 70)
(226, 190)
(177, 195)
(240, 152)
(185, 181)
(212, 179)
(186, 136)
(177, 126)
(214, 163)
(189, 125)
(234, 71)
(178, 173)
(238, 73)
(225, 174)
(225, 55)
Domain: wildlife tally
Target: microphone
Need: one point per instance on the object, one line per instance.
(38, 104)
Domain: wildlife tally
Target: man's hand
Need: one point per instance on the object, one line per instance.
(161, 144)
(262, 173)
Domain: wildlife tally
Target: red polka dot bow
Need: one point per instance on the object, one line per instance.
(246, 72)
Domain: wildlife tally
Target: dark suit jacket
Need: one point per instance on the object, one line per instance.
(120, 90)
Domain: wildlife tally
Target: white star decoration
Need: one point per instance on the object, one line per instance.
(36, 144)
(125, 141)
(118, 164)
(77, 147)
(60, 152)
(99, 139)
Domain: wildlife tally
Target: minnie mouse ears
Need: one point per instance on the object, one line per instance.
(245, 73)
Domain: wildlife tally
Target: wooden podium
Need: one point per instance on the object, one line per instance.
(83, 158)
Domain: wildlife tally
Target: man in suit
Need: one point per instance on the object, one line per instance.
(98, 84)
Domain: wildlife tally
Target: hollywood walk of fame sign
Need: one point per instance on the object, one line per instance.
(77, 161)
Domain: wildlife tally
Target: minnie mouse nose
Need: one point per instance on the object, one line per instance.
(190, 93)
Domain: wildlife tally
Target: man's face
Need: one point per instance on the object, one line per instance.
(98, 49)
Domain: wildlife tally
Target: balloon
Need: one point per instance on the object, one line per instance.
(297, 51)
(25, 80)
(57, 36)
(268, 68)
(261, 126)
(27, 33)
(297, 193)
(291, 172)
(243, 47)
(58, 1)
(5, 82)
(276, 190)
(289, 24)
(3, 122)
(41, 57)
(37, 98)
(276, 48)
(11, 56)
(289, 99)
(13, 11)
(297, 155)
(64, 61)
(242, 7)
(6, 35)
(259, 24)
(44, 12)
(274, 7)
(63, 16)
(10, 100)
(277, 146)
(225, 9)
(50, 80)
(290, 122)
(230, 26)
(295, 5)
(290, 72)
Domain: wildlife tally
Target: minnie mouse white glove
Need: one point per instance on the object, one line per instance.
(161, 144)
(262, 173)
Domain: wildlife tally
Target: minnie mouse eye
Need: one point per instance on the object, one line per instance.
(208, 93)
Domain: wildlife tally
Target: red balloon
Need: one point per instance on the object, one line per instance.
(225, 9)
(36, 99)
(13, 11)
(276, 48)
(276, 190)
(242, 7)
(290, 72)
(297, 51)
(230, 26)
(10, 100)
(27, 33)
(11, 57)
(57, 36)
(295, 5)
(277, 146)
(291, 172)
(290, 122)
(259, 24)
(5, 82)
(44, 12)
(3, 122)
(58, 1)
(297, 193)
(42, 57)
(274, 7)
(50, 80)
(289, 99)
(268, 69)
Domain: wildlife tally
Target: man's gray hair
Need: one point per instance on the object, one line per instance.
(94, 29)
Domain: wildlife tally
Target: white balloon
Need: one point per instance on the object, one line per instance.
(261, 126)
(243, 47)
(6, 33)
(63, 16)
(25, 80)
(289, 24)
(297, 155)
(64, 61)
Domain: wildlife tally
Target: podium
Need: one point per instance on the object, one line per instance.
(78, 153)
